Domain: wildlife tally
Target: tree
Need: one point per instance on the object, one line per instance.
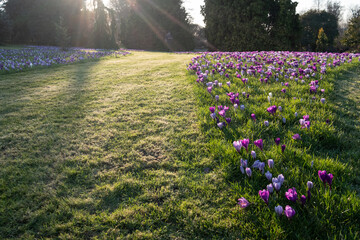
(311, 22)
(352, 34)
(334, 8)
(322, 41)
(62, 36)
(145, 24)
(102, 36)
(5, 27)
(251, 24)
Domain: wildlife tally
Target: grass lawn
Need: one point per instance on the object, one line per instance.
(117, 148)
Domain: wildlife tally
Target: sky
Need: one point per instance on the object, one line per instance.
(193, 7)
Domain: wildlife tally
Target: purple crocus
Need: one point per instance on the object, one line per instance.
(248, 172)
(283, 148)
(296, 137)
(228, 120)
(310, 185)
(228, 83)
(322, 176)
(253, 116)
(270, 188)
(253, 154)
(237, 145)
(264, 194)
(303, 199)
(245, 143)
(272, 109)
(322, 100)
(291, 194)
(221, 124)
(329, 178)
(271, 163)
(222, 113)
(217, 97)
(279, 210)
(283, 90)
(209, 89)
(243, 202)
(268, 175)
(212, 109)
(259, 144)
(243, 165)
(266, 123)
(277, 141)
(289, 212)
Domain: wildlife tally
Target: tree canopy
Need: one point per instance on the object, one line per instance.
(252, 24)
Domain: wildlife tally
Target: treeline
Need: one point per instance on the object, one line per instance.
(141, 24)
(239, 25)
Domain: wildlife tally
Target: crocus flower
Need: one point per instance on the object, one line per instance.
(270, 188)
(268, 175)
(243, 202)
(228, 120)
(213, 115)
(280, 108)
(236, 106)
(284, 120)
(221, 124)
(277, 186)
(296, 114)
(228, 83)
(248, 172)
(289, 212)
(322, 90)
(303, 199)
(296, 137)
(281, 178)
(272, 109)
(245, 143)
(253, 116)
(209, 89)
(283, 148)
(279, 210)
(322, 100)
(264, 194)
(259, 144)
(310, 185)
(322, 176)
(327, 121)
(243, 165)
(262, 167)
(242, 107)
(217, 97)
(222, 113)
(291, 194)
(266, 123)
(271, 163)
(277, 141)
(283, 90)
(212, 109)
(253, 154)
(237, 145)
(329, 178)
(306, 117)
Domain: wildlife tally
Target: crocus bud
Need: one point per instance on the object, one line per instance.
(268, 175)
(253, 116)
(217, 97)
(270, 95)
(310, 185)
(236, 106)
(270, 188)
(303, 199)
(277, 141)
(228, 83)
(281, 178)
(271, 163)
(279, 210)
(264, 194)
(266, 123)
(248, 172)
(296, 114)
(280, 108)
(262, 167)
(242, 107)
(322, 100)
(253, 154)
(284, 120)
(277, 186)
(283, 147)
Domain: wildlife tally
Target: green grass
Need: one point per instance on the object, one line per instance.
(121, 148)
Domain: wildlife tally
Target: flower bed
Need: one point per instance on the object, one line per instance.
(14, 60)
(270, 126)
